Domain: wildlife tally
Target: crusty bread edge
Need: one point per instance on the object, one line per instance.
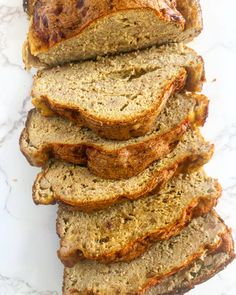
(40, 156)
(199, 206)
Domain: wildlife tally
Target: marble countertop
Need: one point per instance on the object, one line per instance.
(28, 260)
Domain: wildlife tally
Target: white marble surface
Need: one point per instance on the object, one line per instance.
(28, 243)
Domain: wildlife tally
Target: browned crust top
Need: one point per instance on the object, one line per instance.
(56, 20)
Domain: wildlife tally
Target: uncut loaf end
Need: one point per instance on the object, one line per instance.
(65, 31)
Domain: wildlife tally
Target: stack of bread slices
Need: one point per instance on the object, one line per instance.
(116, 131)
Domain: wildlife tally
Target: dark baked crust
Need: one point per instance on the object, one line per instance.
(57, 20)
(225, 245)
(200, 206)
(185, 164)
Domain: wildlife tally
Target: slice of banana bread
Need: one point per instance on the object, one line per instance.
(124, 231)
(202, 237)
(75, 185)
(118, 97)
(65, 31)
(54, 137)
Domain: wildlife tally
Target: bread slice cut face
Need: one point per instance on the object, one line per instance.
(118, 97)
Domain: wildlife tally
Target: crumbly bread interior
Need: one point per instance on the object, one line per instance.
(114, 89)
(102, 233)
(161, 259)
(76, 185)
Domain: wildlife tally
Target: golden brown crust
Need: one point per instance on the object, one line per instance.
(159, 178)
(117, 130)
(199, 206)
(224, 245)
(56, 20)
(139, 157)
(114, 164)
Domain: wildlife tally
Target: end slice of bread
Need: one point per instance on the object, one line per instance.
(76, 186)
(118, 97)
(124, 231)
(53, 137)
(65, 31)
(199, 272)
(204, 236)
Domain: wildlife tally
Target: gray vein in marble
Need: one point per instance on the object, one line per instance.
(217, 45)
(228, 46)
(226, 139)
(15, 286)
(8, 190)
(5, 62)
(6, 16)
(17, 123)
(7, 13)
(230, 190)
